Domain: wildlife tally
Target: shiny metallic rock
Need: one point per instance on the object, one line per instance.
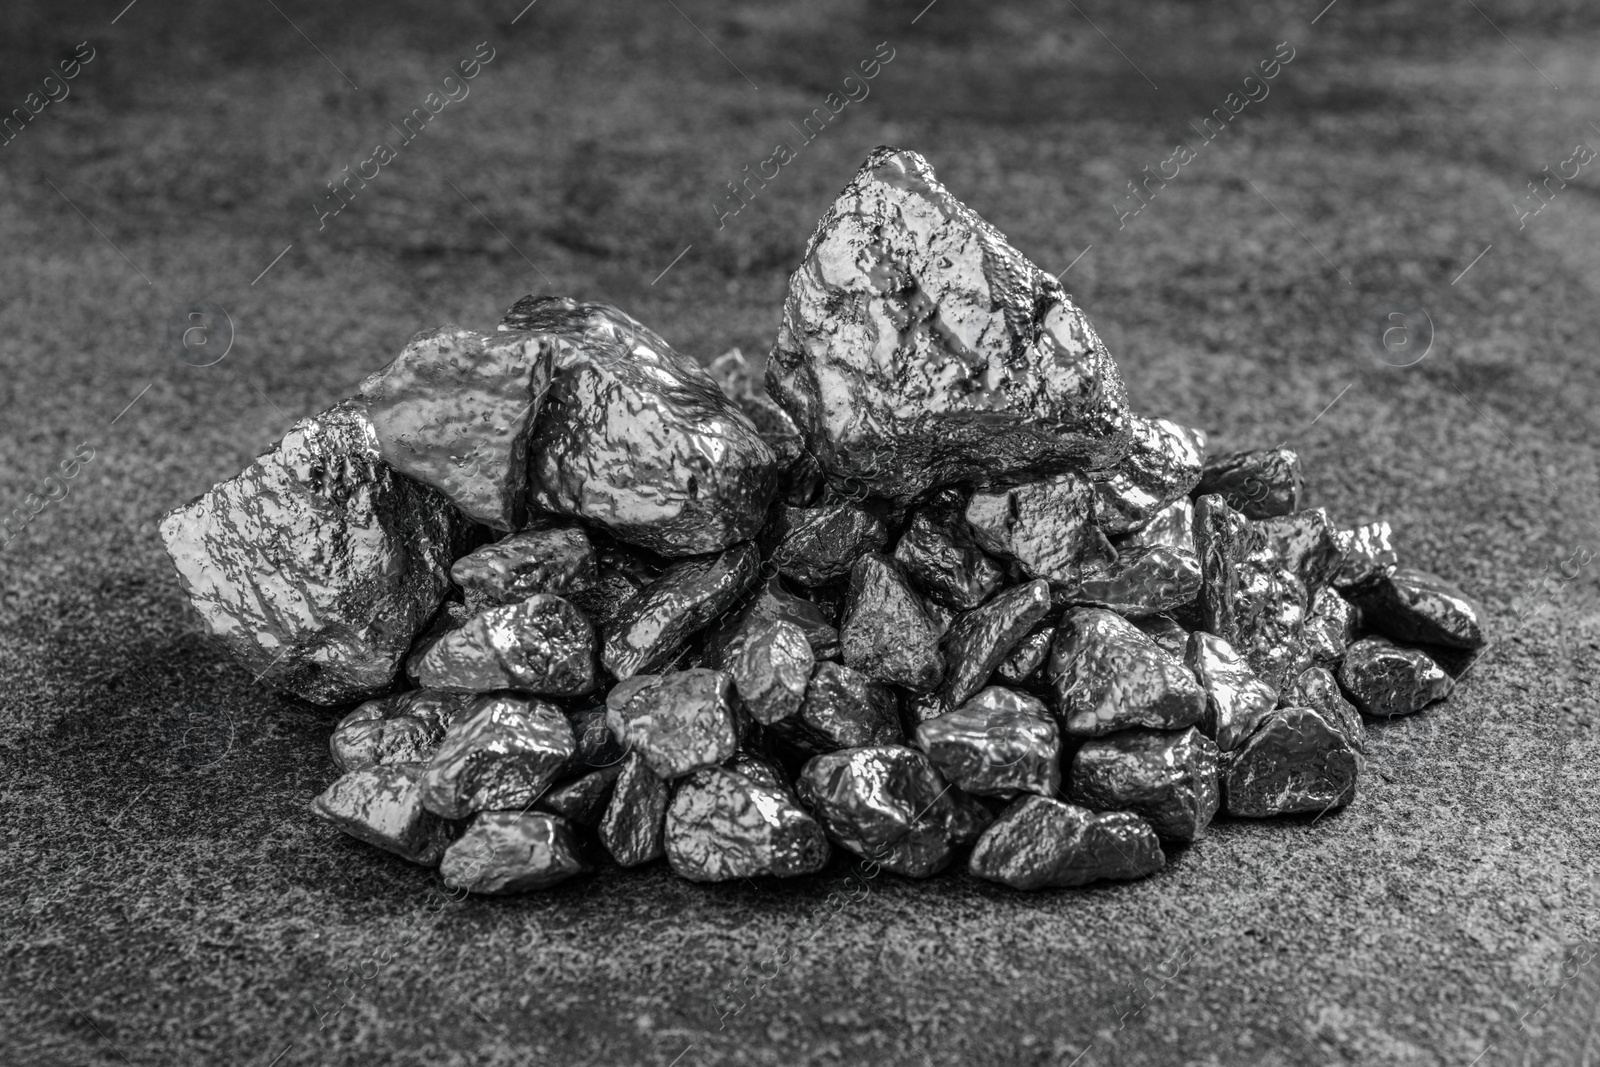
(1168, 777)
(1412, 605)
(1365, 552)
(1384, 680)
(981, 639)
(631, 829)
(1270, 626)
(678, 722)
(918, 348)
(1168, 634)
(938, 554)
(924, 706)
(817, 545)
(772, 602)
(1318, 689)
(885, 632)
(542, 645)
(654, 626)
(1296, 761)
(1225, 540)
(771, 671)
(318, 565)
(1045, 527)
(1329, 626)
(637, 438)
(997, 744)
(1259, 484)
(1236, 700)
(843, 708)
(404, 728)
(883, 802)
(583, 800)
(1171, 527)
(512, 852)
(501, 753)
(543, 558)
(722, 825)
(383, 806)
(1039, 843)
(1022, 663)
(761, 771)
(1163, 463)
(1303, 542)
(597, 746)
(455, 410)
(1141, 581)
(1108, 676)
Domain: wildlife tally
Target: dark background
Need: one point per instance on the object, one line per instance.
(165, 896)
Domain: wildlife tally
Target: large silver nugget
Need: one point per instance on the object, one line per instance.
(404, 728)
(1163, 463)
(999, 743)
(637, 438)
(885, 632)
(919, 348)
(652, 627)
(1384, 680)
(1296, 761)
(383, 806)
(512, 852)
(542, 645)
(1039, 843)
(1169, 777)
(1108, 676)
(981, 639)
(679, 722)
(722, 825)
(318, 565)
(503, 752)
(454, 411)
(885, 803)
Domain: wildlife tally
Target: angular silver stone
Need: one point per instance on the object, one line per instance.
(886, 803)
(541, 645)
(770, 603)
(319, 564)
(1108, 676)
(1163, 463)
(501, 753)
(1365, 552)
(1045, 527)
(1317, 689)
(544, 558)
(653, 627)
(723, 825)
(997, 744)
(819, 544)
(1296, 761)
(1414, 606)
(383, 806)
(940, 557)
(1305, 543)
(512, 852)
(1236, 700)
(980, 640)
(637, 438)
(1039, 843)
(632, 828)
(455, 409)
(843, 708)
(918, 348)
(583, 800)
(771, 671)
(1329, 627)
(885, 632)
(677, 722)
(1141, 581)
(1023, 662)
(1384, 680)
(1168, 777)
(404, 728)
(1171, 527)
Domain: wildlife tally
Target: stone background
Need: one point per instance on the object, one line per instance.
(165, 896)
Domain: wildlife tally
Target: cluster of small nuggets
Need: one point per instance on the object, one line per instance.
(933, 586)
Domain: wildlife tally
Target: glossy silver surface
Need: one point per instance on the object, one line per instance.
(512, 852)
(501, 753)
(678, 722)
(1167, 777)
(999, 743)
(723, 825)
(383, 806)
(886, 803)
(1236, 700)
(1384, 680)
(1038, 843)
(1296, 761)
(542, 645)
(1163, 464)
(885, 632)
(980, 640)
(652, 627)
(1108, 676)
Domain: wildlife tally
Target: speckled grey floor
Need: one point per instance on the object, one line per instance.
(166, 897)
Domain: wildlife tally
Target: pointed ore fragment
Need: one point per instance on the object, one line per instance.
(997, 744)
(1045, 527)
(512, 852)
(885, 803)
(545, 558)
(1171, 527)
(632, 828)
(1167, 777)
(1108, 676)
(1038, 843)
(1417, 607)
(1236, 700)
(772, 602)
(842, 708)
(1258, 484)
(503, 752)
(886, 633)
(1162, 465)
(723, 825)
(817, 545)
(654, 626)
(980, 640)
(1296, 761)
(1022, 663)
(940, 557)
(542, 645)
(383, 806)
(404, 728)
(1141, 581)
(1317, 689)
(677, 722)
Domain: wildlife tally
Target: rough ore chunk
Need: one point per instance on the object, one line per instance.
(817, 545)
(886, 633)
(1365, 552)
(1038, 843)
(772, 670)
(980, 640)
(918, 348)
(512, 852)
(723, 825)
(1141, 581)
(1414, 606)
(542, 645)
(1304, 542)
(1384, 680)
(1163, 463)
(772, 602)
(998, 744)
(583, 800)
(631, 829)
(940, 557)
(843, 708)
(1296, 761)
(1108, 676)
(886, 803)
(404, 728)
(546, 558)
(1022, 663)
(383, 806)
(1168, 777)
(318, 565)
(1171, 527)
(637, 438)
(1045, 527)
(1318, 689)
(502, 753)
(1236, 700)
(678, 722)
(655, 624)
(455, 410)
(1258, 484)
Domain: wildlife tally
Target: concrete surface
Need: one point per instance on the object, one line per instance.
(165, 896)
